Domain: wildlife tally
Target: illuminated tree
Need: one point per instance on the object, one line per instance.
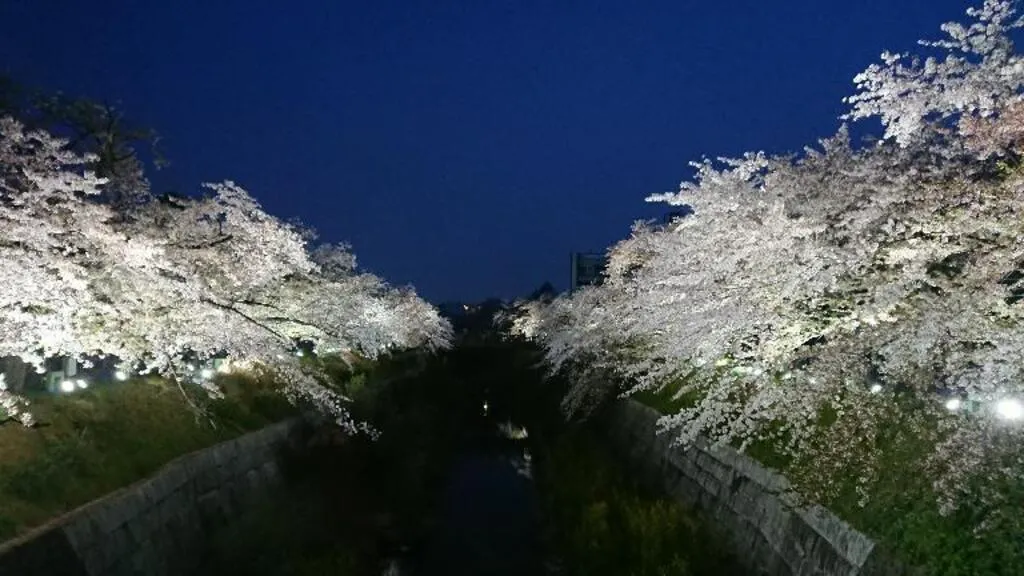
(873, 285)
(180, 278)
(100, 131)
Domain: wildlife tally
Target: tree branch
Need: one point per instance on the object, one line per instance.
(250, 319)
(210, 244)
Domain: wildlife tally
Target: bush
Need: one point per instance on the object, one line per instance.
(600, 522)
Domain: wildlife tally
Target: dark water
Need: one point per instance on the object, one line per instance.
(488, 524)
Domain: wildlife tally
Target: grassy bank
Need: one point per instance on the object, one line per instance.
(599, 521)
(902, 514)
(93, 442)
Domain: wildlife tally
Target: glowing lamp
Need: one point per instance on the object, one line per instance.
(1010, 409)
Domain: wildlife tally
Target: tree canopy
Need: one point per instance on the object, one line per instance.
(813, 299)
(155, 281)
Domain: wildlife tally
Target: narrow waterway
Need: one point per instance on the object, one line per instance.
(449, 489)
(488, 522)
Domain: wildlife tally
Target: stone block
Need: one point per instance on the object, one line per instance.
(164, 543)
(224, 468)
(774, 521)
(848, 542)
(769, 528)
(745, 507)
(722, 472)
(211, 513)
(175, 475)
(81, 532)
(206, 479)
(93, 559)
(115, 546)
(166, 509)
(152, 490)
(246, 460)
(146, 561)
(152, 521)
(248, 443)
(138, 528)
(47, 553)
(187, 531)
(108, 515)
(254, 481)
(160, 522)
(271, 474)
(198, 463)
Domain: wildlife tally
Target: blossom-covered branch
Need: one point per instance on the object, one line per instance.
(179, 277)
(871, 285)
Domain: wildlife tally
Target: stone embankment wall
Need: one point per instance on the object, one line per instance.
(159, 526)
(770, 532)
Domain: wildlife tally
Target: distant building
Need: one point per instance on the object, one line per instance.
(587, 269)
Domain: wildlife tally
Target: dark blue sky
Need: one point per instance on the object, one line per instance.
(465, 147)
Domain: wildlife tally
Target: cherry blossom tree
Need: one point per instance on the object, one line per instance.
(12, 406)
(180, 278)
(858, 286)
(99, 130)
(979, 76)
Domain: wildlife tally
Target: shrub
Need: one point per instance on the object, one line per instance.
(600, 522)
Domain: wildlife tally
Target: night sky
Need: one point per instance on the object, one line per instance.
(464, 147)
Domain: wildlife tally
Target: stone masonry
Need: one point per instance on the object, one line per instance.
(754, 507)
(160, 525)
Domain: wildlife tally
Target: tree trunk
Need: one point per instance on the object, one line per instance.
(14, 370)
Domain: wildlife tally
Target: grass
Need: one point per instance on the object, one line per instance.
(602, 522)
(902, 513)
(99, 440)
(668, 399)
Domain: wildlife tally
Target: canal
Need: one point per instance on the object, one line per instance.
(456, 486)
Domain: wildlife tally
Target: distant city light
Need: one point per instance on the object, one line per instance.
(876, 388)
(953, 404)
(120, 375)
(513, 431)
(1010, 409)
(67, 386)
